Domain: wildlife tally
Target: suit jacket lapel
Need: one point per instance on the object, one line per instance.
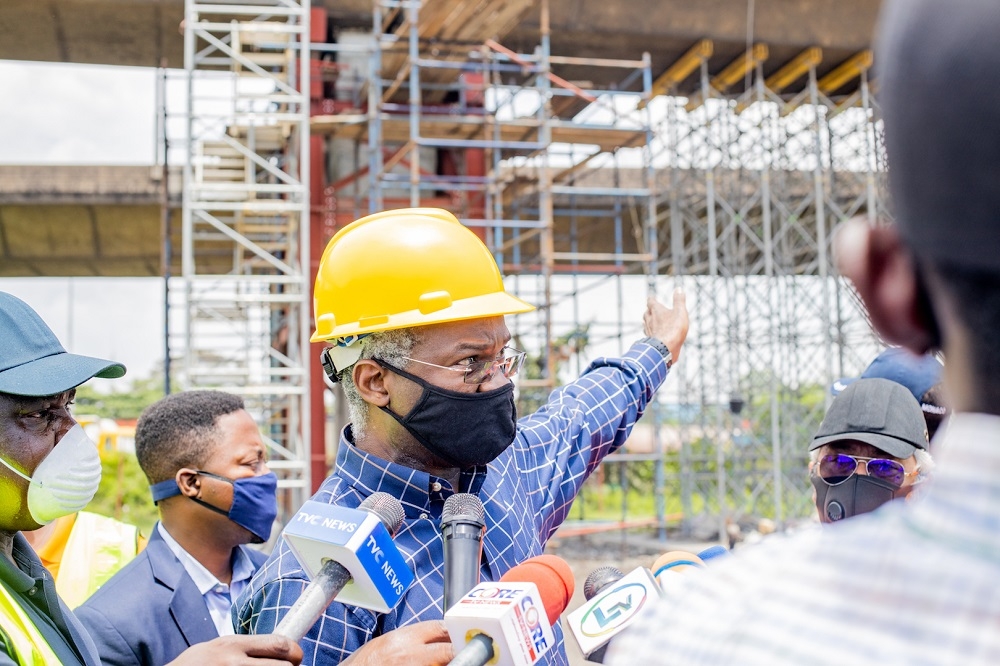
(187, 606)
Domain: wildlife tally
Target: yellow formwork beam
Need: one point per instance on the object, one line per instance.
(795, 69)
(681, 69)
(737, 70)
(734, 72)
(848, 70)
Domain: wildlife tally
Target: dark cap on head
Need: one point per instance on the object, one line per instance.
(33, 363)
(939, 64)
(879, 412)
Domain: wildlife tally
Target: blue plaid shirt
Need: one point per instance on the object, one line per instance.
(526, 492)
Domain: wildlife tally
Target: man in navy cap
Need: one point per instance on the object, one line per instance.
(49, 468)
(920, 374)
(912, 582)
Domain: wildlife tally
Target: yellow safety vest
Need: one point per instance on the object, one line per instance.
(20, 635)
(96, 549)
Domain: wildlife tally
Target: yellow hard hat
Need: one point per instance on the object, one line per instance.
(403, 268)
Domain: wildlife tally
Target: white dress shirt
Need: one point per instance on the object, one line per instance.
(218, 596)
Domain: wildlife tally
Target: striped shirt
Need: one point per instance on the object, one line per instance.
(526, 493)
(912, 583)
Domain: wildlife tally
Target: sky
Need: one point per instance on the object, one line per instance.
(77, 114)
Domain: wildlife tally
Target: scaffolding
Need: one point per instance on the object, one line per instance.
(245, 209)
(740, 173)
(757, 182)
(726, 178)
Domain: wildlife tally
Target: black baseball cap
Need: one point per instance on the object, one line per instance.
(33, 362)
(879, 412)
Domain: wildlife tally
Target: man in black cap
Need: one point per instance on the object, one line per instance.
(913, 582)
(920, 374)
(870, 448)
(49, 468)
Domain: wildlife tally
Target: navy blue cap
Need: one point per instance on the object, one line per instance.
(33, 362)
(919, 374)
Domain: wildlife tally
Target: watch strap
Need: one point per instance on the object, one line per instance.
(660, 347)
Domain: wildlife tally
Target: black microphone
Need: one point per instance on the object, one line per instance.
(599, 579)
(332, 576)
(462, 529)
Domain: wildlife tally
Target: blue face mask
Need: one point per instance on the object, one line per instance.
(255, 501)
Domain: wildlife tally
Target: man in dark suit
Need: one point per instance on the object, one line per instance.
(206, 463)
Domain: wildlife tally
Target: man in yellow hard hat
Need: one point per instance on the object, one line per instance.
(413, 304)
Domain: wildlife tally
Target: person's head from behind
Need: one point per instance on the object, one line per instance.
(413, 304)
(48, 466)
(932, 281)
(207, 465)
(870, 448)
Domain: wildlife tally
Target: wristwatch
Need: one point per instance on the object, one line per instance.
(660, 347)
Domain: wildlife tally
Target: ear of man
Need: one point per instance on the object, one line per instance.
(886, 276)
(369, 378)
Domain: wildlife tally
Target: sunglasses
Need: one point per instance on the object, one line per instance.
(836, 468)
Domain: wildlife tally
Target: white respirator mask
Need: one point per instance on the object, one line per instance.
(66, 479)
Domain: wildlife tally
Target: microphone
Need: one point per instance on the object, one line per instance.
(462, 530)
(349, 556)
(713, 552)
(509, 622)
(599, 579)
(616, 601)
(674, 563)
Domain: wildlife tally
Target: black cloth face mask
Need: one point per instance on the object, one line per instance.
(462, 429)
(858, 494)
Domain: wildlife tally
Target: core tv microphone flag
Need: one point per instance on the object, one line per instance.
(509, 622)
(349, 556)
(612, 609)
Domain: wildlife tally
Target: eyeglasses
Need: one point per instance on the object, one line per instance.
(836, 468)
(478, 372)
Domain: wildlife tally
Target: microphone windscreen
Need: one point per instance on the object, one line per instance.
(676, 560)
(713, 552)
(553, 578)
(387, 508)
(600, 578)
(463, 505)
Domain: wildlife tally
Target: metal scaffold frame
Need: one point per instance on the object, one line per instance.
(576, 188)
(245, 251)
(758, 183)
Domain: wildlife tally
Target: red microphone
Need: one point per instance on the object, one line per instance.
(509, 622)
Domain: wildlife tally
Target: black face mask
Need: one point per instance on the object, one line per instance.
(858, 494)
(462, 429)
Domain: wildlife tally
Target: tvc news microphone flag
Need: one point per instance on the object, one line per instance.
(509, 622)
(357, 540)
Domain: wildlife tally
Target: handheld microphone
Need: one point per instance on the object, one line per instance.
(675, 563)
(462, 529)
(617, 601)
(713, 552)
(599, 579)
(509, 623)
(348, 555)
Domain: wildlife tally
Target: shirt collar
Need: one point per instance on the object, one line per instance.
(419, 492)
(28, 570)
(203, 579)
